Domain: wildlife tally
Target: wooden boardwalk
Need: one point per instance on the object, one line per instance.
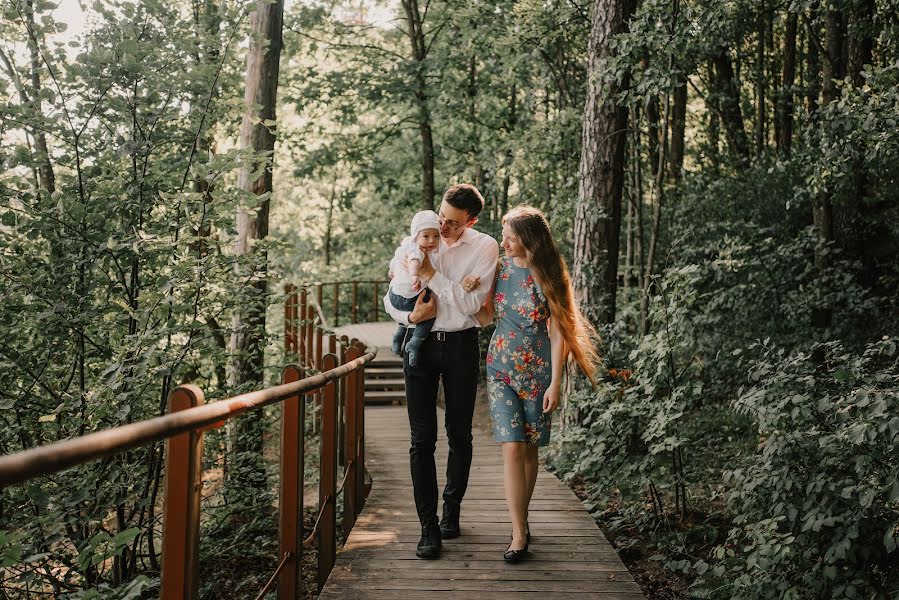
(569, 556)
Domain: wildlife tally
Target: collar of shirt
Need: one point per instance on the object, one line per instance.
(466, 238)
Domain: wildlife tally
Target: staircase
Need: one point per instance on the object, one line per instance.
(384, 383)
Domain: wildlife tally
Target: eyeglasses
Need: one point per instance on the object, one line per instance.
(451, 224)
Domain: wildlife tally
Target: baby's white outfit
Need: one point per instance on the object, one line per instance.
(401, 284)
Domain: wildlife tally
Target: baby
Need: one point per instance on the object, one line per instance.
(406, 284)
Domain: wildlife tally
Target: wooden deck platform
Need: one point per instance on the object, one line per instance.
(569, 556)
(374, 334)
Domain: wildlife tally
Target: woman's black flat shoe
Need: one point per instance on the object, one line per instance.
(515, 556)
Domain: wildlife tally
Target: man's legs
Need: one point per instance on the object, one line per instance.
(421, 405)
(460, 382)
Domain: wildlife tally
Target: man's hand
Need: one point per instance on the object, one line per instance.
(424, 310)
(426, 270)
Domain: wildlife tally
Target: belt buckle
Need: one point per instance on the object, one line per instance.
(441, 336)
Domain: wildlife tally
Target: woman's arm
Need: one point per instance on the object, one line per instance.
(557, 350)
(487, 310)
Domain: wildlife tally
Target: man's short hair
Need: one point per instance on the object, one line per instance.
(466, 197)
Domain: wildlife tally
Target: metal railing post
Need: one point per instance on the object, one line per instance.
(181, 513)
(290, 497)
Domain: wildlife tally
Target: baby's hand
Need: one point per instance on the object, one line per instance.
(416, 283)
(470, 283)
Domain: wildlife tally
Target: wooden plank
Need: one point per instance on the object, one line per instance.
(350, 594)
(569, 556)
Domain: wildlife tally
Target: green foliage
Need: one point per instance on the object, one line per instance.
(817, 508)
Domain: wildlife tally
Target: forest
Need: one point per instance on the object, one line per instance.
(721, 176)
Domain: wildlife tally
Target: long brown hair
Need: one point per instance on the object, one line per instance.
(532, 229)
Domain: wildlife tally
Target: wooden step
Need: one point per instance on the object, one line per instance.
(384, 372)
(380, 363)
(385, 397)
(391, 384)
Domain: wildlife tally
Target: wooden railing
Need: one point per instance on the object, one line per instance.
(333, 381)
(338, 302)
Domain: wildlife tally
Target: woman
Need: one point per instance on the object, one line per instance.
(538, 327)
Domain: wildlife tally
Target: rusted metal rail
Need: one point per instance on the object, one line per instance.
(334, 381)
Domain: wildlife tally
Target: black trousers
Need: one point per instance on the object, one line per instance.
(455, 360)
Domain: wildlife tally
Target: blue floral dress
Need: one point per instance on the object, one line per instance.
(519, 368)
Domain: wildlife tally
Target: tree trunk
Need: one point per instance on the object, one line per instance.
(833, 58)
(728, 95)
(785, 139)
(822, 207)
(329, 226)
(813, 72)
(760, 83)
(415, 31)
(207, 20)
(651, 110)
(714, 126)
(46, 177)
(861, 40)
(678, 130)
(597, 223)
(256, 136)
(657, 202)
(511, 123)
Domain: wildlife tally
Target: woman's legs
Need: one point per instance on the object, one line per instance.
(530, 472)
(516, 485)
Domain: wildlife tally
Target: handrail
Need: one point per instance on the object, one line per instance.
(51, 458)
(309, 290)
(342, 435)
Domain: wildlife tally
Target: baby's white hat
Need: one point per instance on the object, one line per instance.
(426, 219)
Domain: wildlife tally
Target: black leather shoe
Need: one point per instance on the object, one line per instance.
(429, 545)
(515, 556)
(449, 524)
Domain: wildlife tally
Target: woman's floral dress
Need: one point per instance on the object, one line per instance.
(519, 365)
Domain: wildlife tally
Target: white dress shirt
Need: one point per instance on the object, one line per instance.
(474, 253)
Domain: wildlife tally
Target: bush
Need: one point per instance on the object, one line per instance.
(817, 507)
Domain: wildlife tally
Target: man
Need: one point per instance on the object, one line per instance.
(451, 353)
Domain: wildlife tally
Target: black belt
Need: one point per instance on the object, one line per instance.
(454, 336)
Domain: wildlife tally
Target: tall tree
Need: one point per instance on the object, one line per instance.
(727, 93)
(597, 223)
(257, 137)
(420, 48)
(678, 131)
(785, 104)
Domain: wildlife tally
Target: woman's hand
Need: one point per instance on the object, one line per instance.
(470, 283)
(551, 397)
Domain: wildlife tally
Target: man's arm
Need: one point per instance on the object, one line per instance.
(452, 292)
(422, 311)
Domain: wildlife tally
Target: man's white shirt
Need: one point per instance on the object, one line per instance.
(474, 253)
